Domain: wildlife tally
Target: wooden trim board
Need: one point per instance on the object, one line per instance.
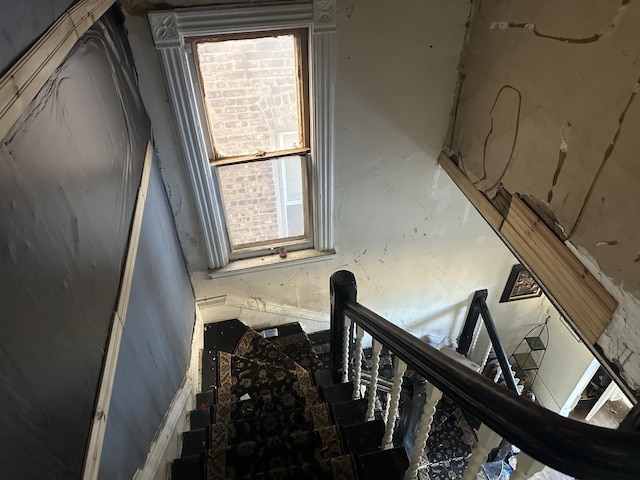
(579, 294)
(24, 80)
(164, 446)
(99, 422)
(567, 282)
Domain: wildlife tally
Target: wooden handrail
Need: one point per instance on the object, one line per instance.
(584, 451)
(479, 308)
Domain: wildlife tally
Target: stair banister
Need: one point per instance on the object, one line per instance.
(584, 451)
(342, 289)
(478, 308)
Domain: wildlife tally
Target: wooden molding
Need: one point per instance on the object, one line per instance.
(101, 411)
(172, 30)
(477, 198)
(161, 452)
(23, 81)
(565, 280)
(581, 297)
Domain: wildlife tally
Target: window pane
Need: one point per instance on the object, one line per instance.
(264, 201)
(251, 94)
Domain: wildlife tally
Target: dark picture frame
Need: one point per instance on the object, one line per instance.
(520, 285)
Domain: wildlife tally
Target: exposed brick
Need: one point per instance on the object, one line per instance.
(250, 92)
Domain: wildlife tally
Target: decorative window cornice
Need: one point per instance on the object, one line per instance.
(171, 28)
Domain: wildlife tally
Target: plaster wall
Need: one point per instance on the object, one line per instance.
(548, 108)
(415, 244)
(565, 363)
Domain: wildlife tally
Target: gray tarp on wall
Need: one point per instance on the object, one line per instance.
(69, 172)
(23, 22)
(155, 343)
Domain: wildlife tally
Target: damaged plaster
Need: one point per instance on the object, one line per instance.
(569, 142)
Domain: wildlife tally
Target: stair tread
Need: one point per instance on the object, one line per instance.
(260, 415)
(285, 329)
(243, 380)
(257, 428)
(296, 448)
(321, 337)
(348, 413)
(234, 337)
(298, 347)
(337, 393)
(383, 465)
(338, 468)
(227, 412)
(188, 468)
(200, 418)
(194, 442)
(365, 437)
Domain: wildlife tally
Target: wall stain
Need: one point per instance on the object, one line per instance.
(384, 253)
(532, 27)
(513, 144)
(605, 158)
(564, 148)
(461, 78)
(601, 243)
(637, 259)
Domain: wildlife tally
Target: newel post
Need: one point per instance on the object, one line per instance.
(343, 287)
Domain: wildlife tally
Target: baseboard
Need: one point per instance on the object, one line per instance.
(165, 445)
(544, 395)
(256, 312)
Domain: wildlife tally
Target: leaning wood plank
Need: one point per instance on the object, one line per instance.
(24, 80)
(477, 199)
(582, 298)
(99, 423)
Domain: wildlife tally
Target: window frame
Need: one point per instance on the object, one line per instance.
(302, 47)
(292, 243)
(171, 32)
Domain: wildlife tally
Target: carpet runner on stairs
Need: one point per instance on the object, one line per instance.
(264, 415)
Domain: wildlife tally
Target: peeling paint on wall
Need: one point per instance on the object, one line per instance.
(533, 28)
(575, 65)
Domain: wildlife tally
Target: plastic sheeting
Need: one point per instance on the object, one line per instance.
(22, 22)
(69, 173)
(156, 341)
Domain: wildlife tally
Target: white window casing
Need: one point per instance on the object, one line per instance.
(171, 28)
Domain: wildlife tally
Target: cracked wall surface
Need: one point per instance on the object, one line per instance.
(414, 242)
(549, 108)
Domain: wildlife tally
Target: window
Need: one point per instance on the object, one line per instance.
(251, 88)
(254, 91)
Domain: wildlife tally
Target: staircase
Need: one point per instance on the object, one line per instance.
(270, 410)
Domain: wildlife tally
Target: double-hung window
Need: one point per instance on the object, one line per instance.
(254, 89)
(252, 92)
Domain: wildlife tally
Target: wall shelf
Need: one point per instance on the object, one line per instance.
(528, 355)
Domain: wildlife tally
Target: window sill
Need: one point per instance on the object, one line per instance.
(271, 261)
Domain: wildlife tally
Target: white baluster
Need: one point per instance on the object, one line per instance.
(400, 368)
(433, 396)
(345, 350)
(357, 367)
(527, 467)
(475, 339)
(496, 377)
(373, 385)
(485, 358)
(487, 440)
(385, 413)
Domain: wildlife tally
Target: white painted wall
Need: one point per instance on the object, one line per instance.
(565, 363)
(415, 244)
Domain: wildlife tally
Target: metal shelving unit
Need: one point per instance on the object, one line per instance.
(528, 355)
